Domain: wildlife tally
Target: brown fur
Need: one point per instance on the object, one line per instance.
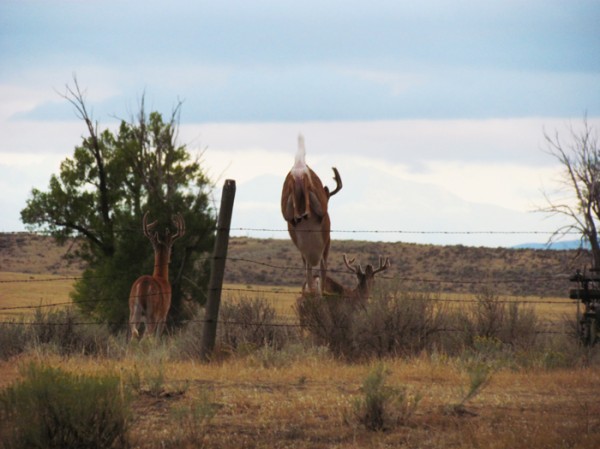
(304, 203)
(361, 292)
(150, 296)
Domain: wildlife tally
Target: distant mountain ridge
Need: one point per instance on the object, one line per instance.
(557, 246)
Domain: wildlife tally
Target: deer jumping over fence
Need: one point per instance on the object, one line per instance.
(366, 279)
(150, 296)
(304, 202)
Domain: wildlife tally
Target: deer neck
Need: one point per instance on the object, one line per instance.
(363, 288)
(162, 256)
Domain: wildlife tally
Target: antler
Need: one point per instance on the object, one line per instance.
(149, 228)
(382, 266)
(179, 223)
(351, 267)
(358, 270)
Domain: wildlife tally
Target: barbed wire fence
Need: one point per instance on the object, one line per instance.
(217, 259)
(286, 291)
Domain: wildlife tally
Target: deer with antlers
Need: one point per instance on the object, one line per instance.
(304, 206)
(366, 279)
(150, 296)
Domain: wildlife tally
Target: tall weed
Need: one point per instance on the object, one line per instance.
(51, 408)
(381, 406)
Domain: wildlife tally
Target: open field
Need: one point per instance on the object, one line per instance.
(32, 290)
(306, 401)
(24, 292)
(300, 396)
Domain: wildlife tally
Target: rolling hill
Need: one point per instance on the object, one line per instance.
(451, 269)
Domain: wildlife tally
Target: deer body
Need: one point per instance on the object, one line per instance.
(366, 279)
(150, 296)
(304, 206)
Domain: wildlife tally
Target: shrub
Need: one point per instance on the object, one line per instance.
(382, 406)
(249, 324)
(188, 339)
(388, 324)
(68, 333)
(51, 408)
(14, 338)
(479, 374)
(509, 322)
(398, 324)
(329, 322)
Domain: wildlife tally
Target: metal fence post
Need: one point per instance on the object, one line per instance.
(217, 271)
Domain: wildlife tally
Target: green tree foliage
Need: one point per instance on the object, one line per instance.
(100, 196)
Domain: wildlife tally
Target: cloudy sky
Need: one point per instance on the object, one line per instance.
(433, 111)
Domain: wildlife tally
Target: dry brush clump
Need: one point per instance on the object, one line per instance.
(63, 331)
(251, 323)
(400, 323)
(381, 406)
(509, 322)
(245, 325)
(389, 324)
(51, 408)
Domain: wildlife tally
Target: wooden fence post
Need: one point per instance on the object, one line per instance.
(217, 271)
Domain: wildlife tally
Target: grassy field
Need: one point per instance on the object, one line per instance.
(32, 290)
(300, 396)
(308, 401)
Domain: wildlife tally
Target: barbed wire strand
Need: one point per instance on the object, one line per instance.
(222, 322)
(335, 231)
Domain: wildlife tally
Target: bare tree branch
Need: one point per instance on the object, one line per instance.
(580, 159)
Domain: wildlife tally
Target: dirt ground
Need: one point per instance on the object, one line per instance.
(310, 404)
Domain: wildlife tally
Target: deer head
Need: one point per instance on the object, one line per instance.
(366, 277)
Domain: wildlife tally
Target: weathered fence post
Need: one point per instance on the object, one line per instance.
(217, 271)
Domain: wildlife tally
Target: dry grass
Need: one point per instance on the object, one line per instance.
(308, 403)
(26, 290)
(299, 398)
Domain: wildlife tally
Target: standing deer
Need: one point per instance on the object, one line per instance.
(304, 202)
(366, 280)
(150, 296)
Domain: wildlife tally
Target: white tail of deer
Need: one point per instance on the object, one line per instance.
(150, 296)
(304, 206)
(365, 278)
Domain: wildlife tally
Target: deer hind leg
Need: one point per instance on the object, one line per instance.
(136, 308)
(311, 283)
(325, 256)
(321, 285)
(316, 205)
(306, 183)
(290, 205)
(160, 326)
(135, 319)
(151, 321)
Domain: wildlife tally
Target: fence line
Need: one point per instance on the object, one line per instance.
(278, 291)
(340, 231)
(227, 322)
(411, 232)
(479, 281)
